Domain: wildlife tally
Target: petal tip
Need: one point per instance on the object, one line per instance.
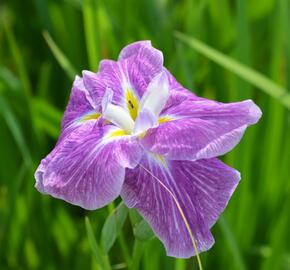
(238, 176)
(87, 73)
(77, 78)
(255, 112)
(38, 175)
(133, 48)
(190, 252)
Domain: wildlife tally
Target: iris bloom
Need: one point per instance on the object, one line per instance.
(132, 130)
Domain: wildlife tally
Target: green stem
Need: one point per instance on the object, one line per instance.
(124, 247)
(180, 264)
(137, 255)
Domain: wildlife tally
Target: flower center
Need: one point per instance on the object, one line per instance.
(138, 117)
(132, 103)
(116, 114)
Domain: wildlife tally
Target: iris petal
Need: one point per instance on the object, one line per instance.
(87, 168)
(116, 114)
(202, 189)
(202, 129)
(80, 103)
(133, 49)
(145, 120)
(156, 95)
(134, 71)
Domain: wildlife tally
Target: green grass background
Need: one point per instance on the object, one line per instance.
(44, 43)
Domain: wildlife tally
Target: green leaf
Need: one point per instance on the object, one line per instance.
(259, 8)
(180, 264)
(143, 231)
(9, 79)
(18, 58)
(109, 233)
(228, 234)
(135, 217)
(90, 26)
(60, 57)
(47, 117)
(113, 226)
(101, 258)
(15, 128)
(141, 228)
(250, 75)
(138, 250)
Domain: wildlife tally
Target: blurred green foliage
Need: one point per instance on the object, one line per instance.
(44, 43)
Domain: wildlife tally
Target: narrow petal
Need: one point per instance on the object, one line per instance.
(108, 76)
(116, 114)
(145, 120)
(201, 129)
(80, 104)
(177, 94)
(202, 189)
(87, 167)
(156, 95)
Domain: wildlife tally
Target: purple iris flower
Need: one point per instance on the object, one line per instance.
(132, 130)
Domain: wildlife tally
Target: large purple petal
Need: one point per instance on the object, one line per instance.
(87, 167)
(201, 128)
(202, 189)
(143, 67)
(133, 72)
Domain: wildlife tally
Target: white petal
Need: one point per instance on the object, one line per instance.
(144, 121)
(156, 95)
(116, 114)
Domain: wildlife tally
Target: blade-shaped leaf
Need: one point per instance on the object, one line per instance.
(16, 131)
(113, 226)
(250, 75)
(143, 231)
(60, 57)
(101, 258)
(141, 228)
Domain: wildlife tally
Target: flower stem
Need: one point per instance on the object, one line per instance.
(180, 264)
(124, 247)
(137, 254)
